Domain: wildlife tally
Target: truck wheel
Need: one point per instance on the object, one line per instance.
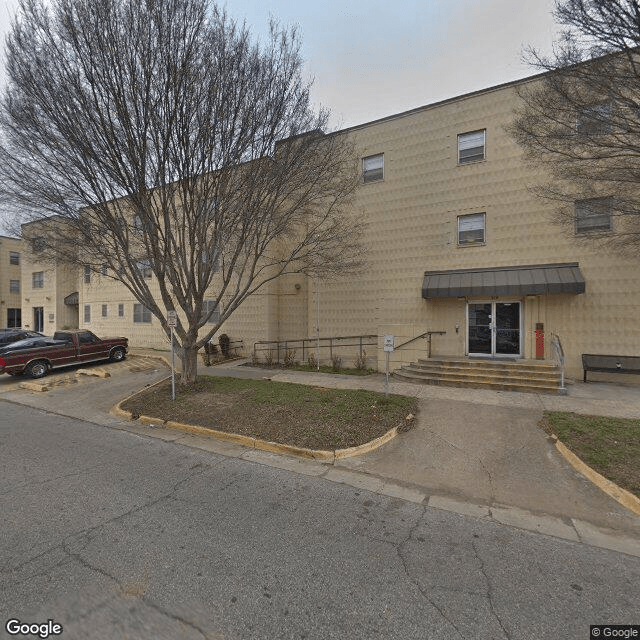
(37, 369)
(117, 354)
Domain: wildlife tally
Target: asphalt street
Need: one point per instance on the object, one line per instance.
(116, 535)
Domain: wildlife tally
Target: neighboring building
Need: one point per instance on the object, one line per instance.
(10, 282)
(457, 243)
(50, 287)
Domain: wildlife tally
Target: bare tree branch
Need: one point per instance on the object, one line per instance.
(580, 121)
(164, 138)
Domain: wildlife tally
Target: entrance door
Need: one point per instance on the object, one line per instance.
(494, 329)
(38, 319)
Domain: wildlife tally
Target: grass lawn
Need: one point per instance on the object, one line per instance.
(295, 414)
(611, 446)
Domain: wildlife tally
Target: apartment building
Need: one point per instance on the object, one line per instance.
(50, 285)
(10, 282)
(457, 243)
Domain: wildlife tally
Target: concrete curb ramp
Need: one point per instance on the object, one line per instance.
(257, 443)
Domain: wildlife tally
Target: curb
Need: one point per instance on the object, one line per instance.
(256, 443)
(624, 497)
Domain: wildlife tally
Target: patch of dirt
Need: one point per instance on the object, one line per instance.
(315, 418)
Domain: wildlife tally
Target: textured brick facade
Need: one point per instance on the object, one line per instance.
(411, 226)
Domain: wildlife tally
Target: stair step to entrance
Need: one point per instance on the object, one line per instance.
(488, 374)
(507, 375)
(477, 382)
(524, 365)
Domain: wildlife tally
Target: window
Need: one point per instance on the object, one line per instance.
(14, 257)
(211, 257)
(38, 244)
(139, 225)
(471, 146)
(103, 270)
(144, 268)
(593, 215)
(210, 305)
(594, 119)
(141, 313)
(14, 318)
(14, 286)
(471, 229)
(87, 274)
(120, 311)
(86, 337)
(87, 313)
(373, 168)
(104, 310)
(37, 279)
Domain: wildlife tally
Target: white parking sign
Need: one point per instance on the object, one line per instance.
(389, 343)
(172, 318)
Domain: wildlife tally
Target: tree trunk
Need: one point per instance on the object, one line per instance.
(189, 359)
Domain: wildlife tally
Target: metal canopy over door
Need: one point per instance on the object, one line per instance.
(494, 329)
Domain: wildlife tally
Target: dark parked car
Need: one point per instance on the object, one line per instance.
(29, 343)
(13, 335)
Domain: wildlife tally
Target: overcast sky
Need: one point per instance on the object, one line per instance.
(375, 58)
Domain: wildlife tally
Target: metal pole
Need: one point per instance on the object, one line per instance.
(386, 380)
(173, 368)
(318, 318)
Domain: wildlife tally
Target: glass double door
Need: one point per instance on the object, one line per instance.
(494, 328)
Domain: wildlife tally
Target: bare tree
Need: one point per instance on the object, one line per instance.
(169, 143)
(580, 121)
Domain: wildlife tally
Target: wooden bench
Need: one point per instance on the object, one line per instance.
(610, 364)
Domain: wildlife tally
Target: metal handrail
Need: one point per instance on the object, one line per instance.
(362, 341)
(428, 334)
(559, 355)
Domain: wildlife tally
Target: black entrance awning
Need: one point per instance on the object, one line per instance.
(537, 279)
(72, 298)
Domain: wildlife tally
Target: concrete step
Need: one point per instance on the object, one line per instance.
(550, 375)
(470, 363)
(479, 382)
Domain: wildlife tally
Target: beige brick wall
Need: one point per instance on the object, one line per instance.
(411, 226)
(410, 223)
(9, 272)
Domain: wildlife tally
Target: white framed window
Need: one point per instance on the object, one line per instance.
(210, 305)
(593, 214)
(14, 286)
(471, 229)
(471, 146)
(87, 313)
(141, 313)
(87, 274)
(37, 279)
(104, 310)
(144, 268)
(120, 310)
(14, 257)
(594, 119)
(373, 168)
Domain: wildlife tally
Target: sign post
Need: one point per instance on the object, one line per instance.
(172, 321)
(389, 346)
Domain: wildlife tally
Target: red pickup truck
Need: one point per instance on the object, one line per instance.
(35, 356)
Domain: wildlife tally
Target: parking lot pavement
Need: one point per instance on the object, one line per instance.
(86, 397)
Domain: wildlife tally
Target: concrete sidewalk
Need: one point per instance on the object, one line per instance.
(474, 452)
(483, 447)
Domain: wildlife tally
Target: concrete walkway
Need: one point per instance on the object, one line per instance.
(483, 447)
(474, 452)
